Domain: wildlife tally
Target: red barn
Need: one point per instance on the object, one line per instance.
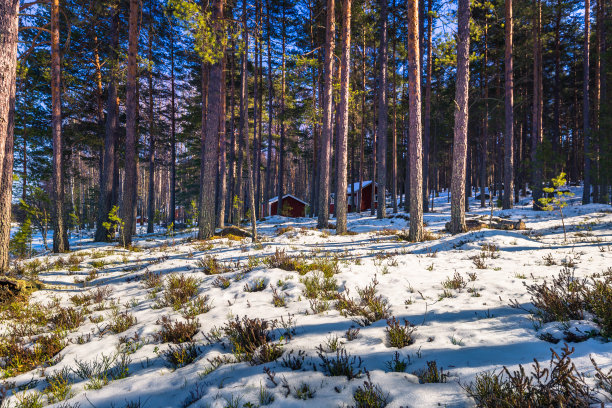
(292, 206)
(366, 196)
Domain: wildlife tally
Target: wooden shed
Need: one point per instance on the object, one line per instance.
(292, 206)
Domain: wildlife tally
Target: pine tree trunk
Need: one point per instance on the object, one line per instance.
(60, 234)
(210, 133)
(130, 180)
(536, 132)
(268, 187)
(427, 118)
(457, 222)
(341, 171)
(9, 23)
(382, 114)
(586, 114)
(281, 146)
(414, 130)
(509, 110)
(151, 193)
(326, 136)
(222, 172)
(108, 179)
(485, 125)
(172, 130)
(244, 123)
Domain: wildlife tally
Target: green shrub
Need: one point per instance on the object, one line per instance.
(181, 355)
(370, 395)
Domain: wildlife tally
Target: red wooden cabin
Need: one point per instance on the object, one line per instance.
(366, 196)
(292, 206)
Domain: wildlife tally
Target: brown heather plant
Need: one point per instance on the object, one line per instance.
(559, 385)
(178, 290)
(399, 335)
(366, 310)
(251, 340)
(211, 266)
(176, 331)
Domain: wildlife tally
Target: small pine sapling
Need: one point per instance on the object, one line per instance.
(114, 224)
(556, 199)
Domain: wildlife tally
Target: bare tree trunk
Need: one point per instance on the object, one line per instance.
(586, 195)
(108, 184)
(130, 181)
(457, 222)
(60, 234)
(281, 146)
(210, 132)
(509, 110)
(427, 118)
(9, 24)
(341, 171)
(363, 121)
(268, 187)
(415, 137)
(382, 114)
(222, 172)
(172, 130)
(151, 194)
(244, 121)
(327, 117)
(536, 132)
(485, 125)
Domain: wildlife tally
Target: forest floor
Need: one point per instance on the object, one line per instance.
(325, 305)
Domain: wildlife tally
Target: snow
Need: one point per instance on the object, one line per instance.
(464, 334)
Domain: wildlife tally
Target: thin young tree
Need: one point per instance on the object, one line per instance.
(341, 173)
(210, 128)
(415, 168)
(509, 111)
(131, 132)
(60, 234)
(381, 210)
(9, 23)
(457, 221)
(325, 154)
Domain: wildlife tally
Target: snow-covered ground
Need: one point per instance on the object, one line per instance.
(466, 331)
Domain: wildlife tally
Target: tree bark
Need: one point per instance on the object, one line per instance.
(108, 184)
(457, 222)
(222, 172)
(327, 117)
(382, 114)
(172, 130)
(9, 23)
(244, 122)
(536, 131)
(130, 180)
(151, 193)
(210, 133)
(341, 171)
(268, 187)
(60, 233)
(427, 118)
(281, 146)
(509, 110)
(415, 167)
